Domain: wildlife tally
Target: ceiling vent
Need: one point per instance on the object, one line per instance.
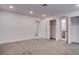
(44, 5)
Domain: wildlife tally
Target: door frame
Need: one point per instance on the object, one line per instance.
(50, 27)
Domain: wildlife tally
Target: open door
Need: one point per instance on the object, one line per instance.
(53, 29)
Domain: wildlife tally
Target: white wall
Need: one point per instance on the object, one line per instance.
(58, 29)
(15, 27)
(43, 29)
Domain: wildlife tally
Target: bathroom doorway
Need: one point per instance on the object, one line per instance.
(64, 28)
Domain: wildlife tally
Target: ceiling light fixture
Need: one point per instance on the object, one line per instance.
(77, 5)
(31, 12)
(11, 6)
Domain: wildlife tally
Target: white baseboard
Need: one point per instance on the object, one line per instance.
(69, 42)
(3, 42)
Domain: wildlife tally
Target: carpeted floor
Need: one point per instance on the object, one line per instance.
(39, 47)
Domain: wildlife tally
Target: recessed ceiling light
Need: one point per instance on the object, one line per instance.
(77, 5)
(31, 12)
(11, 6)
(43, 15)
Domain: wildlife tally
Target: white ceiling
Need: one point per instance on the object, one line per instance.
(50, 10)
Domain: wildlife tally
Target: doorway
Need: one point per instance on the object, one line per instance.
(75, 29)
(53, 29)
(64, 28)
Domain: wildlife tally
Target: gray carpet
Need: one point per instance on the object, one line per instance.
(39, 47)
